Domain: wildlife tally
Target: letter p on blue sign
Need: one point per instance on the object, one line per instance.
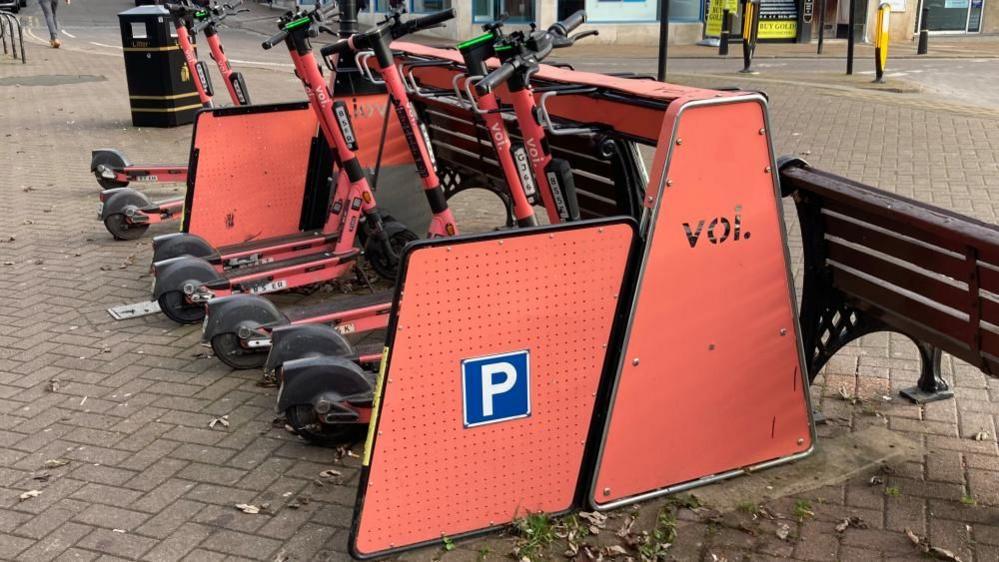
(496, 388)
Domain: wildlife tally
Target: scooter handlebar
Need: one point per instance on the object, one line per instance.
(495, 78)
(310, 17)
(274, 39)
(562, 42)
(429, 21)
(566, 26)
(341, 47)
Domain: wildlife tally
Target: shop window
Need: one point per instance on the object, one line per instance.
(517, 10)
(413, 6)
(631, 11)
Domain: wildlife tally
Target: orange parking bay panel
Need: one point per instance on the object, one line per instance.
(710, 379)
(490, 381)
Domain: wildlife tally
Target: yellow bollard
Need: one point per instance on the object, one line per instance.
(881, 34)
(750, 27)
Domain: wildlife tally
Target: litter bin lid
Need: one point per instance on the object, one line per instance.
(151, 10)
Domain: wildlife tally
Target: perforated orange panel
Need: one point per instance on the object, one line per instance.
(710, 380)
(250, 176)
(551, 293)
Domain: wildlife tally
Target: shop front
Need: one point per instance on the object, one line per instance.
(953, 16)
(628, 22)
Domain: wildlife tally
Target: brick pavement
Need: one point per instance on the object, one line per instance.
(148, 479)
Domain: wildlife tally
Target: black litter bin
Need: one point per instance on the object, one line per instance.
(161, 92)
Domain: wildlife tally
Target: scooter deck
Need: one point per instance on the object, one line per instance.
(258, 270)
(306, 238)
(304, 313)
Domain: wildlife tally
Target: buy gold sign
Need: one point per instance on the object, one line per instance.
(778, 29)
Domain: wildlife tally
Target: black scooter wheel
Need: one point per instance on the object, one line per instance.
(229, 349)
(386, 264)
(176, 308)
(303, 419)
(111, 160)
(119, 227)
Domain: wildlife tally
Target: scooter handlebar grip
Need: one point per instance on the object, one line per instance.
(201, 25)
(274, 39)
(495, 78)
(430, 21)
(570, 23)
(339, 48)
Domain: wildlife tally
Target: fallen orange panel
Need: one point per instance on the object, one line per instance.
(248, 172)
(496, 348)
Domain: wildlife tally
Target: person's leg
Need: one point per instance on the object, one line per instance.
(49, 18)
(55, 20)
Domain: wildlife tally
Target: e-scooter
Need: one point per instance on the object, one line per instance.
(250, 322)
(126, 212)
(184, 284)
(327, 391)
(238, 327)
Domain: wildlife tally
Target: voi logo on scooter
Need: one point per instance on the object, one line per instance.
(496, 388)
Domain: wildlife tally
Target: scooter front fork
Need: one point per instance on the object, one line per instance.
(442, 223)
(374, 228)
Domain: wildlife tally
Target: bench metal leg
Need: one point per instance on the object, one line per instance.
(931, 386)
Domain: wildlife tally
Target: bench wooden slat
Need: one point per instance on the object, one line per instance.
(864, 234)
(921, 221)
(935, 290)
(990, 349)
(900, 304)
(988, 279)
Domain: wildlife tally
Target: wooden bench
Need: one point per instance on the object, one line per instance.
(875, 261)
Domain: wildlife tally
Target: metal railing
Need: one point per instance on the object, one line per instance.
(8, 24)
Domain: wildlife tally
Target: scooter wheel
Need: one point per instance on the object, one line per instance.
(387, 265)
(111, 160)
(119, 227)
(303, 419)
(229, 349)
(176, 308)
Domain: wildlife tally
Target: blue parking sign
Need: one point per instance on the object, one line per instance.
(496, 388)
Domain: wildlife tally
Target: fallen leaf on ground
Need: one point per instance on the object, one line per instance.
(852, 521)
(247, 508)
(943, 554)
(30, 494)
(595, 517)
(783, 531)
(44, 477)
(625, 529)
(923, 544)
